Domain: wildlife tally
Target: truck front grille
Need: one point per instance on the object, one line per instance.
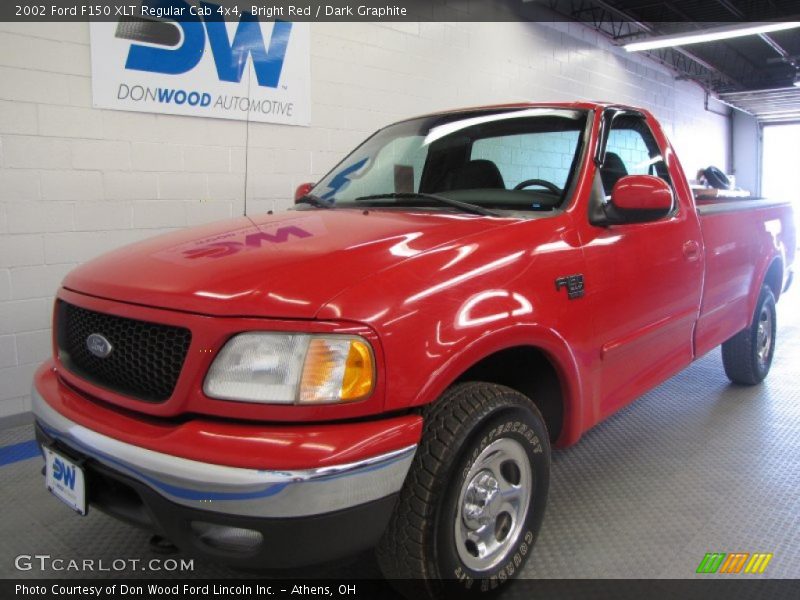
(145, 358)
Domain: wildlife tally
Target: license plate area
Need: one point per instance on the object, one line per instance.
(65, 479)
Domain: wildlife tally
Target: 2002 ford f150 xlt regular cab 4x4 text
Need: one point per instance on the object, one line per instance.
(389, 363)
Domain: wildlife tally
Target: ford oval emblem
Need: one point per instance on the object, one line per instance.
(98, 345)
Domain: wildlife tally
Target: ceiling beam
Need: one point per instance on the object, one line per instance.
(617, 24)
(765, 37)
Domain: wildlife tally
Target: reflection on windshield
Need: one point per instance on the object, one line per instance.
(506, 159)
(342, 179)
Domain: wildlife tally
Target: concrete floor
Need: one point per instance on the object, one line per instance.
(697, 465)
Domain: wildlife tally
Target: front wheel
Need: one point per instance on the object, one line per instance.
(473, 502)
(747, 356)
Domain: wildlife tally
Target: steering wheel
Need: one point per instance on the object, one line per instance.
(541, 183)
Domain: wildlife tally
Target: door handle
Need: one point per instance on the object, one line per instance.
(691, 250)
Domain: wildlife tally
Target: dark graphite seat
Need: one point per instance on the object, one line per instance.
(478, 174)
(613, 170)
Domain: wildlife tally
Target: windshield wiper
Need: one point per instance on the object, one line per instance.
(465, 206)
(314, 201)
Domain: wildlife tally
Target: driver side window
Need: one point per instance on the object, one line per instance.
(631, 150)
(546, 155)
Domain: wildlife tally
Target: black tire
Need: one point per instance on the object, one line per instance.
(717, 179)
(419, 552)
(745, 357)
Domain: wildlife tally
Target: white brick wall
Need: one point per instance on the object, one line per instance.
(77, 181)
(514, 155)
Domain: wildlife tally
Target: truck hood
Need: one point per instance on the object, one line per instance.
(282, 266)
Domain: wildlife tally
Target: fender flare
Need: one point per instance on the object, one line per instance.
(760, 279)
(515, 335)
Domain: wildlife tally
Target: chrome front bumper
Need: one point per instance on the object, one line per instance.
(233, 490)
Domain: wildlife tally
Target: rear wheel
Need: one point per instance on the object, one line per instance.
(472, 505)
(747, 356)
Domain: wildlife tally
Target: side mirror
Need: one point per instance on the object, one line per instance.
(638, 199)
(302, 190)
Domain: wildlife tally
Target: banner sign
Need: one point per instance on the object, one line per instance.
(204, 65)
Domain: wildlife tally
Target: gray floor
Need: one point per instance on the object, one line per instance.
(695, 466)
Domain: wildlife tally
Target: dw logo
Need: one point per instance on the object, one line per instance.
(251, 241)
(62, 472)
(182, 43)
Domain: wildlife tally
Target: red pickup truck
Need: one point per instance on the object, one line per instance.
(388, 364)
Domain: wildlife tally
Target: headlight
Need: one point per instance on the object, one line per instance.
(278, 368)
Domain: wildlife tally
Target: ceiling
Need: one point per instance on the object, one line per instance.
(781, 105)
(754, 73)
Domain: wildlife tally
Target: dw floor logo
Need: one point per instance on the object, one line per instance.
(734, 563)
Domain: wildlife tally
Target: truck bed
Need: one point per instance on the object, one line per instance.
(738, 235)
(707, 206)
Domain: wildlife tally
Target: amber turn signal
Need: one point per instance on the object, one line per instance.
(337, 369)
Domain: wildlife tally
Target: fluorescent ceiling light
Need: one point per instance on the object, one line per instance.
(709, 35)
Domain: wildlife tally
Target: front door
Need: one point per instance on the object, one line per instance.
(646, 278)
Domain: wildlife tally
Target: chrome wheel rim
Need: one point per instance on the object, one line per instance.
(764, 337)
(493, 504)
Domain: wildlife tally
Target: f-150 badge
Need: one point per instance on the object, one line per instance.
(573, 283)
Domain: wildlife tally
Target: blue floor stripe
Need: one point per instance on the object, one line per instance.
(17, 452)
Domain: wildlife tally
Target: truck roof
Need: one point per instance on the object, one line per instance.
(580, 105)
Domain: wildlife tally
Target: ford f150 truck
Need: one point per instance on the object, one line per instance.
(388, 364)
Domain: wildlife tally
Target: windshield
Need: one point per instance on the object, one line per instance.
(506, 159)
